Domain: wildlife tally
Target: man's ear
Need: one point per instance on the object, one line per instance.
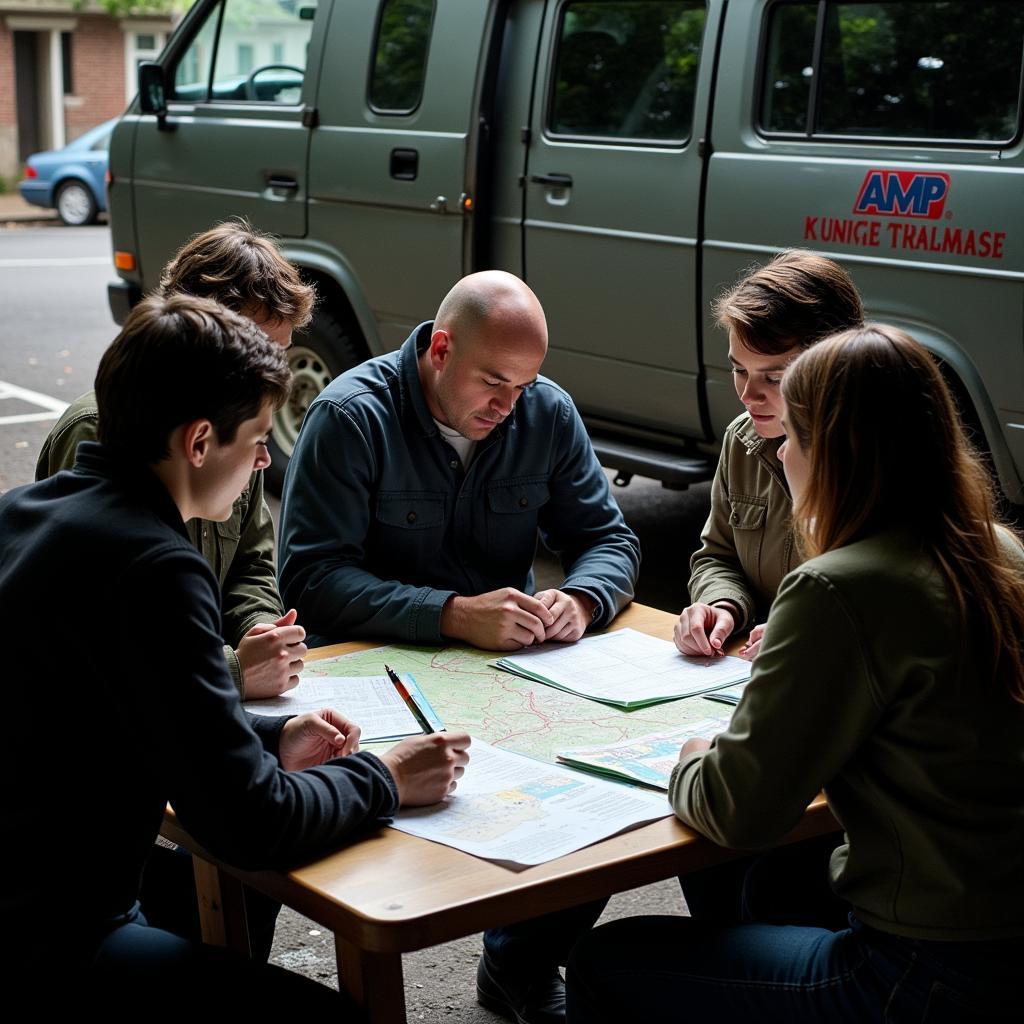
(440, 348)
(197, 438)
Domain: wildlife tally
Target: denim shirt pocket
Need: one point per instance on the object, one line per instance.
(747, 518)
(410, 510)
(512, 510)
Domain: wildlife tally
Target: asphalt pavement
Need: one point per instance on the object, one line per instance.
(54, 328)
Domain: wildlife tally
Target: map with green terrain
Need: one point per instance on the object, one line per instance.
(513, 713)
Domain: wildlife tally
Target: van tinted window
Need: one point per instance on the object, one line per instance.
(914, 69)
(258, 52)
(400, 63)
(627, 70)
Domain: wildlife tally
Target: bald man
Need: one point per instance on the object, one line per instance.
(412, 507)
(421, 479)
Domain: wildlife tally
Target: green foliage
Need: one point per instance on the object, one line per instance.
(899, 69)
(628, 69)
(401, 58)
(3, 185)
(123, 8)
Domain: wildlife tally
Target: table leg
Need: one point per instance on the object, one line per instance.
(221, 907)
(373, 980)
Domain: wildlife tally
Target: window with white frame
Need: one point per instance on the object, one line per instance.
(141, 42)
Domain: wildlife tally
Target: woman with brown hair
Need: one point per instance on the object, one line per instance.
(771, 316)
(892, 673)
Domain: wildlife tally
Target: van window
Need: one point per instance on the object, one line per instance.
(400, 63)
(915, 69)
(192, 73)
(257, 49)
(626, 70)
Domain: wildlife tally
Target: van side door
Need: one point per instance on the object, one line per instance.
(234, 143)
(612, 202)
(391, 185)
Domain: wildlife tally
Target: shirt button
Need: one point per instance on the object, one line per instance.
(524, 501)
(454, 464)
(411, 517)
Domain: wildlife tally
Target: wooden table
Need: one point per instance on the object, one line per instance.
(391, 893)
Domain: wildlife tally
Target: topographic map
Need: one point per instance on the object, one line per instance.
(513, 713)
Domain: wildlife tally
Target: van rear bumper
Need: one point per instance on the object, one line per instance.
(122, 295)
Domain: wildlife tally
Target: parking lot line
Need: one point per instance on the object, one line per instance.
(52, 407)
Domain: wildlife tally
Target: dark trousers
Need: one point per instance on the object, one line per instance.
(669, 969)
(541, 942)
(128, 970)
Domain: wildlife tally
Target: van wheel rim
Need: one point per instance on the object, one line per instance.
(310, 375)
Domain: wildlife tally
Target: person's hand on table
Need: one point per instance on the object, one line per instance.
(572, 610)
(427, 768)
(270, 656)
(702, 629)
(753, 645)
(311, 739)
(693, 745)
(501, 620)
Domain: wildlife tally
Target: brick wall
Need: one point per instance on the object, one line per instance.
(8, 116)
(97, 73)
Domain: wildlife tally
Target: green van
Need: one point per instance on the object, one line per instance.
(627, 158)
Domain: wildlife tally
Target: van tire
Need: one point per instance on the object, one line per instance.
(327, 347)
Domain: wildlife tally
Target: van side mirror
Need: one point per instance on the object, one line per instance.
(152, 95)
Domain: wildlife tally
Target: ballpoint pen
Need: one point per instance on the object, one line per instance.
(421, 718)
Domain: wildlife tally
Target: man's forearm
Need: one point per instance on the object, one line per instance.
(347, 602)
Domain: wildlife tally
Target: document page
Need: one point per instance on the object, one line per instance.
(372, 702)
(625, 669)
(518, 811)
(647, 759)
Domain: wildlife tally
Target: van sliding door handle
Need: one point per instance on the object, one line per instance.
(559, 180)
(282, 184)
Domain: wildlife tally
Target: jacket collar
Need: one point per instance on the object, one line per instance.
(755, 444)
(100, 460)
(412, 397)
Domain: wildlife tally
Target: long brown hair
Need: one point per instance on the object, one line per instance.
(885, 445)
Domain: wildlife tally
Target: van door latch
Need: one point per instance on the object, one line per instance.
(440, 204)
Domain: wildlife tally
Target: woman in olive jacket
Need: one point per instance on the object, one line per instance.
(772, 315)
(892, 673)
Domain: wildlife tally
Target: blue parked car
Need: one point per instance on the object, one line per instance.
(71, 179)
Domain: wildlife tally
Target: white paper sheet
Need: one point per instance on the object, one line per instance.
(520, 811)
(626, 668)
(372, 702)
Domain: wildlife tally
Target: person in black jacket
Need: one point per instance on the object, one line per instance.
(112, 718)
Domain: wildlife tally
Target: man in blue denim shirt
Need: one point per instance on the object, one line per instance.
(389, 530)
(411, 512)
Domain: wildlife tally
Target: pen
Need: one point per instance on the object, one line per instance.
(421, 718)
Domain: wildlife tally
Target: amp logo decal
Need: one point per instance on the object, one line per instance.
(889, 193)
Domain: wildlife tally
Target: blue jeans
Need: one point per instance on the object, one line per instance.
(661, 969)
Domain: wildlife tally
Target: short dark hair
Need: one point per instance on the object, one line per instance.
(180, 358)
(795, 299)
(243, 269)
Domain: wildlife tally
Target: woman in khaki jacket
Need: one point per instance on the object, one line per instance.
(892, 673)
(771, 316)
